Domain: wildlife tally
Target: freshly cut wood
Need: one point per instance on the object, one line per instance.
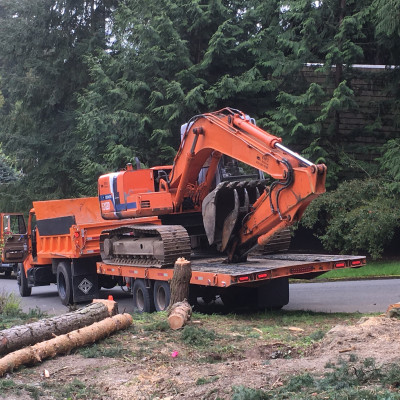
(180, 281)
(29, 334)
(64, 343)
(179, 314)
(111, 305)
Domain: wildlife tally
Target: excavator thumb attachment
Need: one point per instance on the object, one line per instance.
(225, 207)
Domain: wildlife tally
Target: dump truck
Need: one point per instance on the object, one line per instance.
(13, 245)
(226, 203)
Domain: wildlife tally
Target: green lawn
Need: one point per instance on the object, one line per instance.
(372, 269)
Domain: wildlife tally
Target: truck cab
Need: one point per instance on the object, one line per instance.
(13, 241)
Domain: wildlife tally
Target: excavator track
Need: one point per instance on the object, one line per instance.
(145, 245)
(279, 243)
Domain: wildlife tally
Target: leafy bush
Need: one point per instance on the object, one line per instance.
(360, 216)
(390, 164)
(9, 304)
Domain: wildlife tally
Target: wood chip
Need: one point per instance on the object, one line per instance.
(347, 350)
(293, 329)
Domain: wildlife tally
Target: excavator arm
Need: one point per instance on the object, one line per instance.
(252, 215)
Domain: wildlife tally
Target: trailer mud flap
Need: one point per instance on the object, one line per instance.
(85, 285)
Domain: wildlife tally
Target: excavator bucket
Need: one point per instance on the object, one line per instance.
(224, 208)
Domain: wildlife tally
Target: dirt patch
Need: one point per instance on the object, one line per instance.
(252, 358)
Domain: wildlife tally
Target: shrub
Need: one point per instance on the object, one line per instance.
(360, 216)
(9, 304)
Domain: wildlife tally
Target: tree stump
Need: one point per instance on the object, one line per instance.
(179, 315)
(180, 281)
(65, 343)
(25, 335)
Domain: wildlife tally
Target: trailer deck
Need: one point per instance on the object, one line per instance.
(214, 271)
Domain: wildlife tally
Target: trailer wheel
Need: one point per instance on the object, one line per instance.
(162, 295)
(22, 281)
(64, 283)
(142, 297)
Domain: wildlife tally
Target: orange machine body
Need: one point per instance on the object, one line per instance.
(68, 228)
(130, 194)
(177, 190)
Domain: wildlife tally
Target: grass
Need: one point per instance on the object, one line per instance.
(8, 386)
(106, 348)
(218, 338)
(208, 340)
(350, 380)
(373, 269)
(11, 313)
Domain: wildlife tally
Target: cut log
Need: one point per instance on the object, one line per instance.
(180, 281)
(65, 343)
(179, 314)
(111, 305)
(21, 336)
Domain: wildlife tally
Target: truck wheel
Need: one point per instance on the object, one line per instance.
(162, 295)
(142, 297)
(22, 281)
(106, 281)
(64, 282)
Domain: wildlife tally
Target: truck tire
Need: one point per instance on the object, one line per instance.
(106, 282)
(64, 282)
(142, 297)
(22, 281)
(162, 295)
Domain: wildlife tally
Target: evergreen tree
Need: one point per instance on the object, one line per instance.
(42, 44)
(167, 63)
(7, 172)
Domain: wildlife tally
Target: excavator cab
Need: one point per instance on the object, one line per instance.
(230, 169)
(133, 193)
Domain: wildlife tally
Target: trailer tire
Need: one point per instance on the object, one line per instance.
(22, 281)
(142, 297)
(64, 282)
(162, 295)
(106, 282)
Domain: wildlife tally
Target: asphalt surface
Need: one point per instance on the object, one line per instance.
(365, 296)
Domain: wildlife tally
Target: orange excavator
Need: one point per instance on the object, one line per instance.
(202, 200)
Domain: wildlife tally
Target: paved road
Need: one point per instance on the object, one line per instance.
(364, 296)
(349, 296)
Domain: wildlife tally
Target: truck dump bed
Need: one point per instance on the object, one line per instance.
(71, 228)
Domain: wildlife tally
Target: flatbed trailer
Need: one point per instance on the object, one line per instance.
(63, 247)
(215, 272)
(261, 281)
